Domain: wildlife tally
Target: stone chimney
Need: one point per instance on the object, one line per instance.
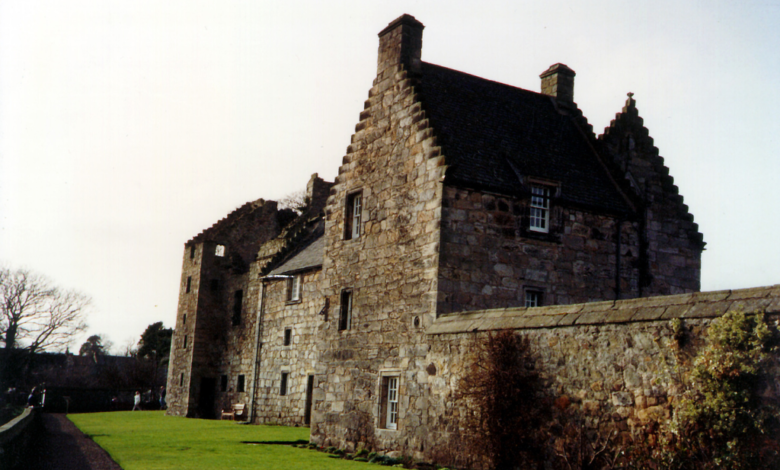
(400, 43)
(558, 82)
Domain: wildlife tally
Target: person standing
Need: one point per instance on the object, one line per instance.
(137, 401)
(32, 399)
(162, 397)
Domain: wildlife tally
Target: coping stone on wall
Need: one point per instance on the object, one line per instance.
(695, 305)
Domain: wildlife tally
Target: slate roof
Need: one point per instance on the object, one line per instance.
(493, 134)
(660, 308)
(307, 258)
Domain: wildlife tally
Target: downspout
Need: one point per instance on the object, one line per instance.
(258, 328)
(618, 231)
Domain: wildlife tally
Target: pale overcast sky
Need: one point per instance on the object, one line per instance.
(126, 128)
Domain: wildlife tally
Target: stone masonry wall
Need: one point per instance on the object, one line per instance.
(671, 241)
(614, 366)
(489, 257)
(298, 359)
(391, 266)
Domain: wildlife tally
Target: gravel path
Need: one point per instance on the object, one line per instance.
(63, 447)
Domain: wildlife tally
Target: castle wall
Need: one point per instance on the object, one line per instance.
(489, 257)
(297, 359)
(390, 267)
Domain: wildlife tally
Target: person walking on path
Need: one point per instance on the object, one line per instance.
(137, 401)
(33, 400)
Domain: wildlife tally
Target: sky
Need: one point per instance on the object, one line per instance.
(126, 128)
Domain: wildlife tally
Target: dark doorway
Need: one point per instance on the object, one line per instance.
(208, 389)
(309, 392)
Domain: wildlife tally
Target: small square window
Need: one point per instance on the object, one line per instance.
(189, 283)
(240, 385)
(345, 313)
(283, 384)
(540, 209)
(220, 251)
(223, 381)
(294, 288)
(287, 336)
(533, 298)
(354, 216)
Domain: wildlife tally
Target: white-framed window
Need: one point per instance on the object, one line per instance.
(540, 209)
(389, 404)
(533, 298)
(345, 312)
(220, 251)
(294, 288)
(354, 216)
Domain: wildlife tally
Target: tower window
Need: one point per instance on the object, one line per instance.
(287, 336)
(283, 384)
(192, 251)
(354, 216)
(389, 404)
(220, 251)
(238, 298)
(189, 283)
(240, 385)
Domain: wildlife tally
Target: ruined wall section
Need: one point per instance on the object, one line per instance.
(390, 268)
(297, 359)
(208, 306)
(489, 257)
(672, 243)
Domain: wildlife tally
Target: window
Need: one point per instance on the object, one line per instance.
(181, 380)
(238, 298)
(283, 384)
(287, 336)
(240, 385)
(345, 314)
(189, 283)
(294, 288)
(540, 209)
(353, 216)
(192, 251)
(533, 298)
(220, 251)
(223, 383)
(185, 342)
(184, 319)
(389, 412)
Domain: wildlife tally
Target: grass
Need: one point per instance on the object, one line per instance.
(149, 440)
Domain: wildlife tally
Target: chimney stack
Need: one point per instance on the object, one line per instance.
(400, 43)
(558, 82)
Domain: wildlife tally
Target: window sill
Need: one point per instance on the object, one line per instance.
(293, 302)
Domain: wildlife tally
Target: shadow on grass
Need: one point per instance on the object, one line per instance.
(284, 443)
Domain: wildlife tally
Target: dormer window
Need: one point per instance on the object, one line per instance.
(220, 251)
(539, 220)
(354, 216)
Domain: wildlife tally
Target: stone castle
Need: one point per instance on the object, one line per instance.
(462, 206)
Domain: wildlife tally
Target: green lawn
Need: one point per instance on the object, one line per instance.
(149, 440)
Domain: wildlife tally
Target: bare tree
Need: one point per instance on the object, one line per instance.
(36, 316)
(297, 201)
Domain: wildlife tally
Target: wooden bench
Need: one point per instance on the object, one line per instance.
(237, 412)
